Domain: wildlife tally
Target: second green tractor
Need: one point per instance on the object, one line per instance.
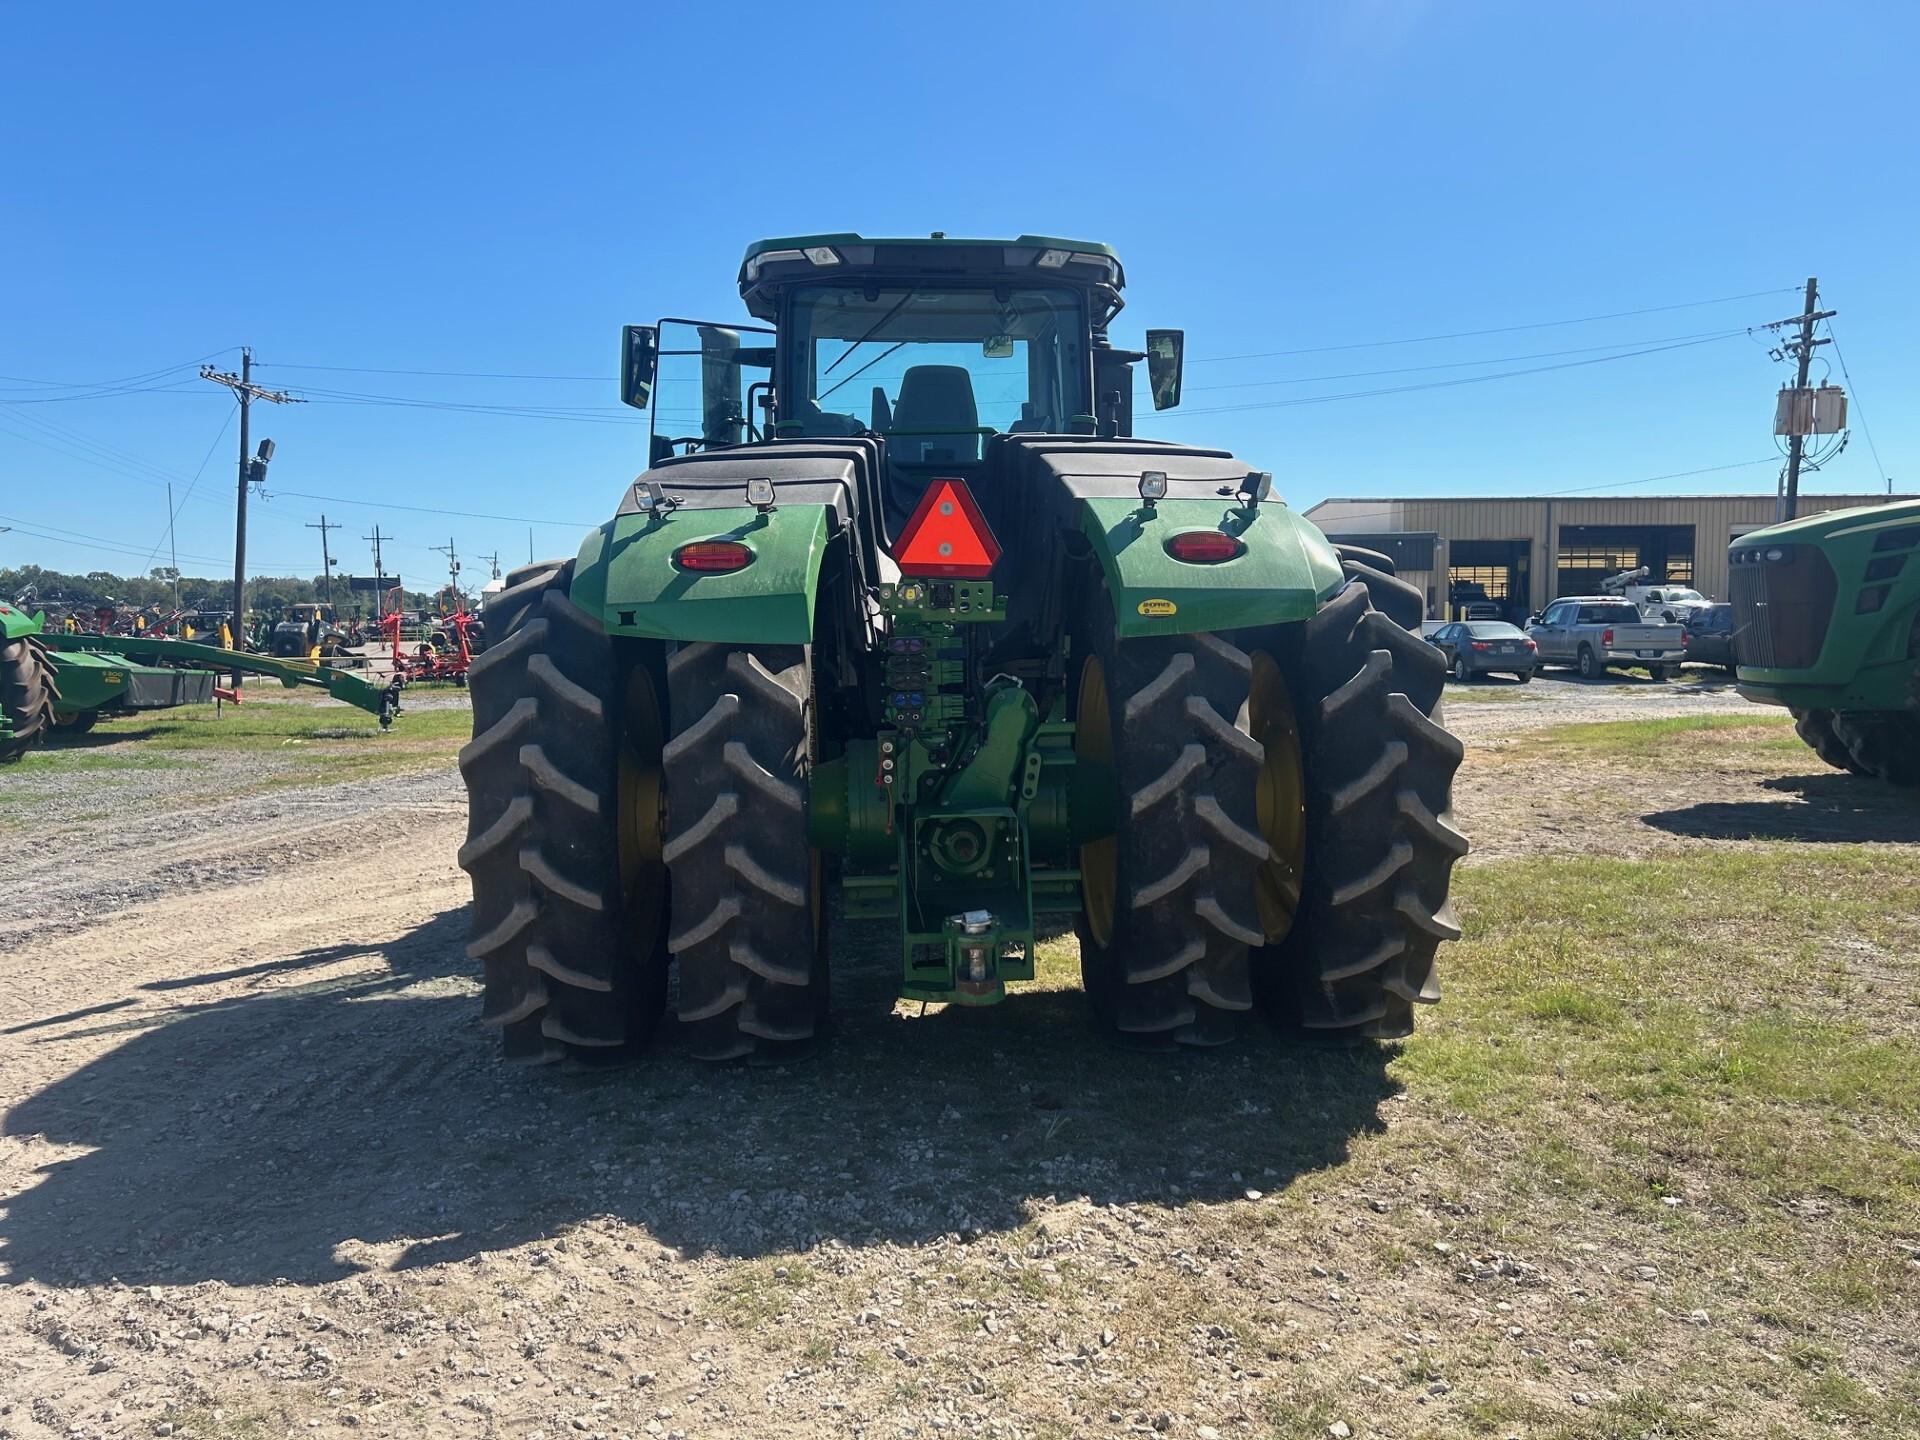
(1827, 623)
(903, 612)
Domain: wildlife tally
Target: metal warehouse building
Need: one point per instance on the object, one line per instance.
(1520, 553)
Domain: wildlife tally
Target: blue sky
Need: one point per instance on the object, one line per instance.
(497, 188)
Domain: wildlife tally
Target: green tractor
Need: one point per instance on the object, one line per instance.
(903, 624)
(27, 690)
(1827, 623)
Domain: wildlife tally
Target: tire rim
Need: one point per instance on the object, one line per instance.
(643, 874)
(1280, 798)
(1093, 745)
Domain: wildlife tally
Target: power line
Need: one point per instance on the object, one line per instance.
(1468, 364)
(1859, 409)
(1442, 384)
(1495, 330)
(64, 536)
(451, 374)
(173, 511)
(430, 510)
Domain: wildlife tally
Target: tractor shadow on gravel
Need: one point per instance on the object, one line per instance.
(1831, 809)
(317, 1126)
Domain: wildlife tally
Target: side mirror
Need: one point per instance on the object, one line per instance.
(1166, 349)
(639, 358)
(1533, 619)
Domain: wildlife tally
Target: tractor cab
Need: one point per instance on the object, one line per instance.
(932, 348)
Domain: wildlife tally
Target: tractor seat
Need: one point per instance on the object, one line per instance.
(931, 398)
(920, 446)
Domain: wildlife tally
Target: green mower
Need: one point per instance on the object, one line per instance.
(903, 613)
(54, 684)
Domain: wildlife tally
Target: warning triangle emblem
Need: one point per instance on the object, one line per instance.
(947, 535)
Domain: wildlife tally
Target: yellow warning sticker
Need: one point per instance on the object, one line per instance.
(1158, 607)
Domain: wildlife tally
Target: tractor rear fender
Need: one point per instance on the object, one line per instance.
(630, 576)
(1285, 569)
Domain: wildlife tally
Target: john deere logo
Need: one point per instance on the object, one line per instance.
(1158, 607)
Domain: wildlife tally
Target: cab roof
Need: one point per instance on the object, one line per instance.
(819, 257)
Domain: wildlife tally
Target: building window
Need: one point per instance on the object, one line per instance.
(1493, 580)
(1610, 557)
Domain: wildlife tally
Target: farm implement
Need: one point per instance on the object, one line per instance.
(67, 682)
(901, 607)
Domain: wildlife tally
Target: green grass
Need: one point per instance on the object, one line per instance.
(1736, 1031)
(302, 741)
(1672, 738)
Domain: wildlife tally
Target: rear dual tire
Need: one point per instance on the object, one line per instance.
(569, 913)
(1283, 831)
(596, 807)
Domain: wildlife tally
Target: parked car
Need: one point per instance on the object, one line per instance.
(1485, 647)
(1708, 636)
(1592, 632)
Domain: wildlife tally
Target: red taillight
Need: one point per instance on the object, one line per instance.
(713, 557)
(1606, 637)
(1686, 637)
(1204, 547)
(1531, 645)
(1481, 645)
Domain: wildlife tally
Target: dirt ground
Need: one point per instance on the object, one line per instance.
(263, 1176)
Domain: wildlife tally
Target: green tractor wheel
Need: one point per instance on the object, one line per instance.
(1815, 727)
(1882, 743)
(749, 927)
(569, 891)
(27, 693)
(1354, 953)
(1170, 898)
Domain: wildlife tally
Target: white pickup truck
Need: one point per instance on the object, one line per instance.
(1595, 631)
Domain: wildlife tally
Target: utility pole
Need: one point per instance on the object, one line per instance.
(1788, 505)
(493, 563)
(326, 559)
(453, 567)
(379, 570)
(252, 471)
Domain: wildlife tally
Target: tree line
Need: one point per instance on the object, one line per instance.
(59, 590)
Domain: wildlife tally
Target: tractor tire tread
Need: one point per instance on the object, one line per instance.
(1884, 744)
(28, 692)
(737, 849)
(1189, 843)
(562, 976)
(1382, 841)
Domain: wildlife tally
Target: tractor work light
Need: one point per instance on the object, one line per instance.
(1153, 485)
(813, 255)
(760, 494)
(651, 499)
(1060, 259)
(1204, 547)
(713, 557)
